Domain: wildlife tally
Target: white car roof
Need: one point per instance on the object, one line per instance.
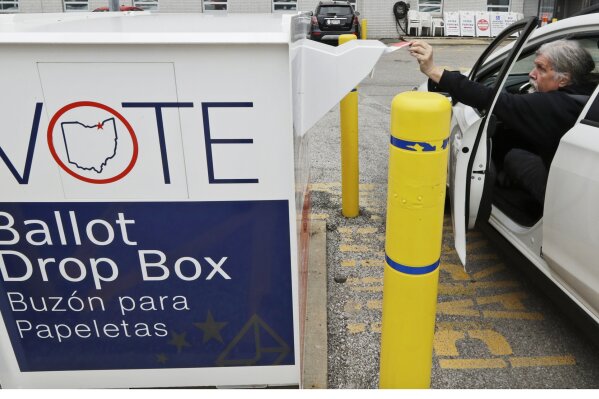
(582, 23)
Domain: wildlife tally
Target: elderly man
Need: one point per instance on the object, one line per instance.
(560, 87)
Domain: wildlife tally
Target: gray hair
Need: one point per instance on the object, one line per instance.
(567, 57)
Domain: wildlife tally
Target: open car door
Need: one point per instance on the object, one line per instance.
(470, 158)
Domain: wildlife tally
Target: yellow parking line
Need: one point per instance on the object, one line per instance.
(352, 307)
(345, 230)
(496, 342)
(348, 263)
(367, 187)
(478, 244)
(456, 271)
(365, 280)
(353, 248)
(511, 301)
(323, 186)
(478, 257)
(378, 288)
(356, 328)
(367, 230)
(457, 308)
(374, 304)
(470, 289)
(479, 285)
(456, 289)
(500, 314)
(463, 325)
(472, 363)
(373, 262)
(376, 218)
(319, 216)
(488, 271)
(445, 342)
(376, 327)
(543, 361)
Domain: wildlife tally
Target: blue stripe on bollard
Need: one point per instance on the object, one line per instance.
(411, 269)
(412, 145)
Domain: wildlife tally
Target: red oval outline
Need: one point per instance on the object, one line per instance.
(77, 104)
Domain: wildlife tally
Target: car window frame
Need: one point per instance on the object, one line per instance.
(492, 67)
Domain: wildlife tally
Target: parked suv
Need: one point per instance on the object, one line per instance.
(332, 19)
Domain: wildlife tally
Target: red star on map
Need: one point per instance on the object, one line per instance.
(100, 125)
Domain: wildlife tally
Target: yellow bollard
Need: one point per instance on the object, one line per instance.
(415, 203)
(364, 29)
(350, 202)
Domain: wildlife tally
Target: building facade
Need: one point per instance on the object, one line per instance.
(381, 21)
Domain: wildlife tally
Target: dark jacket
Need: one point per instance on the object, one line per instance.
(540, 119)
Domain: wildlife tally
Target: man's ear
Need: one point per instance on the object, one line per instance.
(565, 79)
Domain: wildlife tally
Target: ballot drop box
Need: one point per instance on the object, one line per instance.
(154, 171)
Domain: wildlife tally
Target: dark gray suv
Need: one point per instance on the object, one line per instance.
(332, 19)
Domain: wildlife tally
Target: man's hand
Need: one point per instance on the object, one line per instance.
(423, 52)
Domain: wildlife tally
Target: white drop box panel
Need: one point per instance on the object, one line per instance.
(153, 168)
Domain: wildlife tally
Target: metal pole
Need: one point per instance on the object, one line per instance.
(113, 5)
(415, 203)
(350, 200)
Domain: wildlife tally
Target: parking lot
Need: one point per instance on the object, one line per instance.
(494, 328)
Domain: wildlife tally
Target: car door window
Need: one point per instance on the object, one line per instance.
(519, 74)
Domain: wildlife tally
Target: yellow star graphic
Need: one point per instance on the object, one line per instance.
(211, 328)
(179, 341)
(161, 358)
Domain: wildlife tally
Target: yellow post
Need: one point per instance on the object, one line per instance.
(415, 203)
(364, 29)
(350, 203)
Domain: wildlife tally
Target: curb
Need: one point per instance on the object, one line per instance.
(315, 366)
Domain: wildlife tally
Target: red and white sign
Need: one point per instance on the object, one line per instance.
(483, 25)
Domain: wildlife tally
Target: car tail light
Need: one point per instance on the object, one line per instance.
(314, 21)
(356, 22)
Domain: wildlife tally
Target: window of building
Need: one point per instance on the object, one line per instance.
(76, 5)
(430, 6)
(215, 5)
(9, 5)
(498, 5)
(149, 5)
(284, 5)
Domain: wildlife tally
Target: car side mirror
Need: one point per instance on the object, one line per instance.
(357, 14)
(311, 13)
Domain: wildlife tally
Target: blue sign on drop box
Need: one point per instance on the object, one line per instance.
(227, 300)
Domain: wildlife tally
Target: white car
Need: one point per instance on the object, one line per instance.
(560, 239)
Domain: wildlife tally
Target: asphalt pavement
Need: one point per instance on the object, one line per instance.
(494, 328)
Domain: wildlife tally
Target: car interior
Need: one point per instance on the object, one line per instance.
(517, 204)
